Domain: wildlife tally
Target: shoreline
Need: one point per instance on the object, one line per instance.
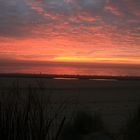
(68, 77)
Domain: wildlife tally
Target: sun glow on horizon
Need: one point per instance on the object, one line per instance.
(97, 59)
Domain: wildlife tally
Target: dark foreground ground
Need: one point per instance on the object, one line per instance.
(114, 100)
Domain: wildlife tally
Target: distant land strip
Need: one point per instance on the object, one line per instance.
(76, 77)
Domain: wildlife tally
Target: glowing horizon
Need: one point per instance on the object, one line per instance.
(96, 59)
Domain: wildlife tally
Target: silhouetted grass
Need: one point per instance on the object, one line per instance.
(29, 115)
(84, 126)
(132, 129)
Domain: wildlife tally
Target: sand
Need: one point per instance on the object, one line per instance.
(114, 100)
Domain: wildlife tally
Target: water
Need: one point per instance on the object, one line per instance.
(107, 70)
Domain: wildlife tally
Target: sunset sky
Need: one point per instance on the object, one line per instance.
(101, 31)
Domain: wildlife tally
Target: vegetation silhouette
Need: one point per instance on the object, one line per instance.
(27, 116)
(132, 129)
(85, 126)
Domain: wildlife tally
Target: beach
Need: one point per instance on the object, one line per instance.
(114, 100)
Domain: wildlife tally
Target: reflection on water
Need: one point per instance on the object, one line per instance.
(103, 79)
(66, 78)
(73, 70)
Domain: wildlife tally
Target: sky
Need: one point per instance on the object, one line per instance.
(93, 31)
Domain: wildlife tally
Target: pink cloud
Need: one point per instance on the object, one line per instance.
(113, 9)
